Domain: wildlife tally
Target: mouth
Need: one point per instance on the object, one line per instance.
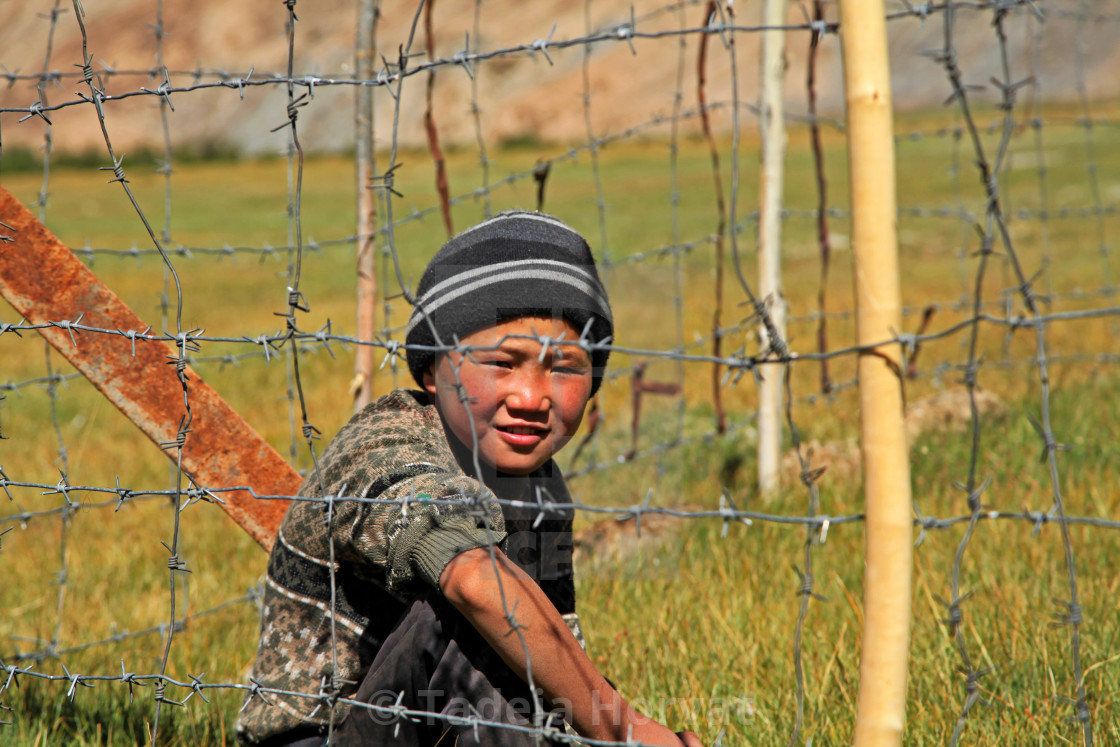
(522, 435)
(522, 430)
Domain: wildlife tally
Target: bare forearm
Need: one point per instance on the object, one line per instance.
(542, 646)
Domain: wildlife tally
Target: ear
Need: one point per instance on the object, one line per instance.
(430, 379)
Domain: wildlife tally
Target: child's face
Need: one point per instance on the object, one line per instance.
(524, 407)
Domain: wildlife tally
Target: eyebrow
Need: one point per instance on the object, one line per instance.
(528, 344)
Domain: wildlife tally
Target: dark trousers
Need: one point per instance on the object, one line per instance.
(442, 665)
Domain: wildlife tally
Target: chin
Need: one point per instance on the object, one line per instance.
(521, 466)
(518, 469)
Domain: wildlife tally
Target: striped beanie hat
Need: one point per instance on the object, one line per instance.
(516, 264)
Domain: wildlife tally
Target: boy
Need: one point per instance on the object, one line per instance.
(444, 599)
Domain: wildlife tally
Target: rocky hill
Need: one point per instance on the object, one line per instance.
(519, 95)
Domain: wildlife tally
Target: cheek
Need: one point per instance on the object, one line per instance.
(478, 381)
(571, 399)
(480, 389)
(474, 386)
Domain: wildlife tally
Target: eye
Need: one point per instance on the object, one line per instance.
(571, 370)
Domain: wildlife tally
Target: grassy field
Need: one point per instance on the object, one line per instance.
(697, 622)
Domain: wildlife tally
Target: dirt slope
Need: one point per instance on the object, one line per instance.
(520, 95)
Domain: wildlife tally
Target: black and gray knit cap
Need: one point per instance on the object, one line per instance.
(515, 264)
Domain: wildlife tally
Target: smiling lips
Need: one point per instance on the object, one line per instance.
(522, 435)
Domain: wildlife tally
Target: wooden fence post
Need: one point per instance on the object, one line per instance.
(881, 705)
(772, 123)
(365, 52)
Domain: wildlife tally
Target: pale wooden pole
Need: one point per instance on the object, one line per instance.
(881, 706)
(361, 387)
(773, 133)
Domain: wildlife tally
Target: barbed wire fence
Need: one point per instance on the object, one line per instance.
(642, 418)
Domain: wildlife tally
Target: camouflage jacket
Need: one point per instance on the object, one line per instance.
(377, 555)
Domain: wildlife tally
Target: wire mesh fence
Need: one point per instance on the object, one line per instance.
(637, 125)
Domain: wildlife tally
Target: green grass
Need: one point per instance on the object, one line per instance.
(699, 627)
(21, 159)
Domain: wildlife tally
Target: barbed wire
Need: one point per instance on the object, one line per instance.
(229, 78)
(964, 216)
(1013, 319)
(995, 230)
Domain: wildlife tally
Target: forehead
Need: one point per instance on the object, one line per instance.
(515, 334)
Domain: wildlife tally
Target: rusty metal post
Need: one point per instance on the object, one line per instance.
(45, 282)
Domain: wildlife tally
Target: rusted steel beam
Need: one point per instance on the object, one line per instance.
(45, 282)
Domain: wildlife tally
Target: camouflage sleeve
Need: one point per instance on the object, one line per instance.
(435, 515)
(571, 619)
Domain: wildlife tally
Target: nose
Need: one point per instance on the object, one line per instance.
(530, 390)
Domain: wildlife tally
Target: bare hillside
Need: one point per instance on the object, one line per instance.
(519, 95)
